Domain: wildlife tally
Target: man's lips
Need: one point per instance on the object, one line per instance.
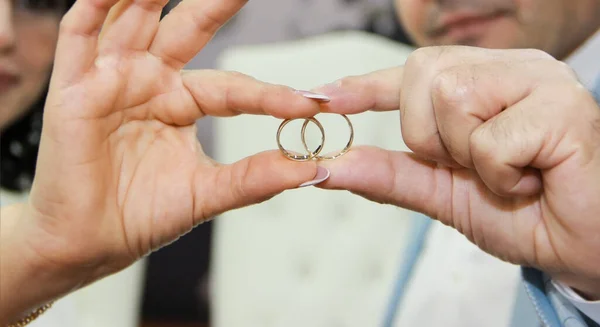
(459, 24)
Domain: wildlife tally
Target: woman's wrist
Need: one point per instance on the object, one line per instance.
(28, 281)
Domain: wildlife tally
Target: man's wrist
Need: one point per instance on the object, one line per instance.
(586, 289)
(589, 307)
(593, 295)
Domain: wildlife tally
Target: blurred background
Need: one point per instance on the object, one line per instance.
(176, 286)
(307, 257)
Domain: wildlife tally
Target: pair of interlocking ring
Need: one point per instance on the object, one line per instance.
(313, 155)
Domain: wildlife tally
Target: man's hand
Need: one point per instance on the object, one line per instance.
(506, 150)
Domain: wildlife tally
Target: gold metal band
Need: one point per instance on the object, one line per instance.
(340, 153)
(313, 155)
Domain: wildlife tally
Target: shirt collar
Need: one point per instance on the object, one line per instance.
(585, 61)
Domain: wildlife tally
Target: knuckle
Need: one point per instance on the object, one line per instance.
(535, 54)
(251, 185)
(65, 26)
(451, 89)
(456, 149)
(239, 180)
(501, 187)
(413, 139)
(480, 145)
(496, 141)
(427, 145)
(427, 57)
(424, 57)
(150, 5)
(563, 70)
(348, 81)
(208, 21)
(572, 96)
(236, 75)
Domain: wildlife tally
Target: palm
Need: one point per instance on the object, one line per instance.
(152, 152)
(120, 169)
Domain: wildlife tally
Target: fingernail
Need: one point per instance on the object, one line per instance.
(314, 96)
(322, 175)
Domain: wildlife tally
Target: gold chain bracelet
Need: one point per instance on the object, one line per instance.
(31, 317)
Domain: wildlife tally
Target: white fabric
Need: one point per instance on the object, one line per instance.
(585, 61)
(589, 308)
(321, 258)
(457, 284)
(114, 301)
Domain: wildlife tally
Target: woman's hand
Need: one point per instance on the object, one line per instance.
(506, 150)
(120, 171)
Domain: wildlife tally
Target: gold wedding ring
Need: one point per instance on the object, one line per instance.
(337, 155)
(314, 155)
(311, 154)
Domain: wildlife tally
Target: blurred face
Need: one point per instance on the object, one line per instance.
(555, 26)
(28, 35)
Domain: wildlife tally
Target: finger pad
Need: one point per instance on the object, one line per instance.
(273, 171)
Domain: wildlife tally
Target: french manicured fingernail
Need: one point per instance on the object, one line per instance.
(322, 175)
(314, 96)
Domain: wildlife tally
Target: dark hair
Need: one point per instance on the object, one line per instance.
(19, 149)
(19, 142)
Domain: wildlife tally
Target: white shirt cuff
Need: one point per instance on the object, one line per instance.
(588, 308)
